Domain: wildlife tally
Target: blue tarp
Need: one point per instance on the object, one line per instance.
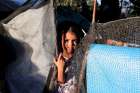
(8, 5)
(112, 69)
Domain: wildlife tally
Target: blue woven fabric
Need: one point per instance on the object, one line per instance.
(112, 69)
(8, 5)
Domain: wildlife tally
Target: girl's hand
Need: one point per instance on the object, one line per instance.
(59, 62)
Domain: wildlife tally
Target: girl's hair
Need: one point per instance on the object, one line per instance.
(65, 27)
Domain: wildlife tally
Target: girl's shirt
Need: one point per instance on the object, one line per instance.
(70, 80)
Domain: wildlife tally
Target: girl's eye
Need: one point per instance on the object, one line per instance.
(66, 41)
(74, 43)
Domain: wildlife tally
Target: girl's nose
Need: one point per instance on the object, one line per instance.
(70, 44)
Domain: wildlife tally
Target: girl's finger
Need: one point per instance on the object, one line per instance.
(60, 55)
(54, 60)
(62, 41)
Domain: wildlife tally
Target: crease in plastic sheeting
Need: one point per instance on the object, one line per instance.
(36, 28)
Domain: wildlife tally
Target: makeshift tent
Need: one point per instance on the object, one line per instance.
(35, 30)
(124, 30)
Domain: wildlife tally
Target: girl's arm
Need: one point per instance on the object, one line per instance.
(60, 68)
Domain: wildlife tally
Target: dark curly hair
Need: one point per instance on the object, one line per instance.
(63, 28)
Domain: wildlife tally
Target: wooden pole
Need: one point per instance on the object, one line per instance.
(94, 11)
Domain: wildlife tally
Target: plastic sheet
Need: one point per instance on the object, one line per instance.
(36, 29)
(112, 69)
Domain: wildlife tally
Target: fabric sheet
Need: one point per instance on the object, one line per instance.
(112, 69)
(35, 29)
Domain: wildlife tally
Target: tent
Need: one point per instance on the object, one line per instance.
(105, 68)
(37, 34)
(33, 27)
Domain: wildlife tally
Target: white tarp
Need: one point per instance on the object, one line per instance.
(36, 28)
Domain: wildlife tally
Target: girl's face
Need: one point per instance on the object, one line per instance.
(70, 42)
